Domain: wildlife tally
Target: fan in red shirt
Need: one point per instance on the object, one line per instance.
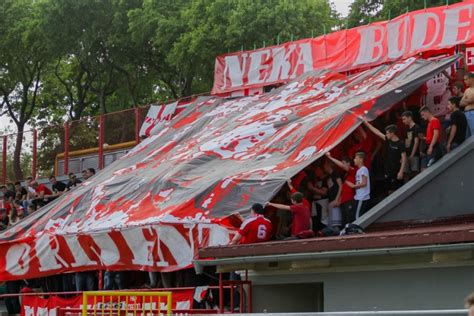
(433, 137)
(41, 190)
(43, 194)
(347, 194)
(301, 225)
(293, 190)
(254, 229)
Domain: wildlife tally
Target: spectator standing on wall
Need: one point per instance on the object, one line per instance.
(412, 144)
(467, 102)
(396, 159)
(361, 185)
(334, 185)
(458, 89)
(255, 228)
(347, 193)
(458, 129)
(301, 225)
(434, 152)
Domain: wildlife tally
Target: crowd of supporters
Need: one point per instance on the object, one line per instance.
(20, 200)
(374, 161)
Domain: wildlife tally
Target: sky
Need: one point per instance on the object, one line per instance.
(342, 6)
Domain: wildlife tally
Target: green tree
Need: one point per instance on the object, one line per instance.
(365, 11)
(183, 38)
(24, 59)
(67, 59)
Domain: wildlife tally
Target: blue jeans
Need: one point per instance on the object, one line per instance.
(85, 281)
(470, 122)
(113, 280)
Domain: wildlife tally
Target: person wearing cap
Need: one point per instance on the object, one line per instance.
(254, 229)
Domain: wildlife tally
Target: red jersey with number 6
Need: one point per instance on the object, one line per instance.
(255, 229)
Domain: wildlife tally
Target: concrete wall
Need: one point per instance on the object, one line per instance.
(408, 289)
(443, 190)
(286, 298)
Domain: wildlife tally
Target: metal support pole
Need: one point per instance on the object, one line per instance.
(242, 297)
(249, 298)
(221, 294)
(101, 280)
(4, 160)
(137, 125)
(66, 148)
(232, 297)
(35, 154)
(101, 141)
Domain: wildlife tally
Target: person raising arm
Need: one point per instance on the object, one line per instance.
(301, 214)
(396, 155)
(338, 163)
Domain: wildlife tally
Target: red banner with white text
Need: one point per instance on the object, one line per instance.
(405, 36)
(38, 306)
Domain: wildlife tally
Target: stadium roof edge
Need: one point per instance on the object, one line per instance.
(200, 264)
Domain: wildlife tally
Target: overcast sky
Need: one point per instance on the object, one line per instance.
(342, 6)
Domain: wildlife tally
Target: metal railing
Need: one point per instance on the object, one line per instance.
(225, 290)
(119, 302)
(450, 312)
(42, 147)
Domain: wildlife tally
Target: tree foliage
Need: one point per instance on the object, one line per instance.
(68, 59)
(24, 60)
(366, 11)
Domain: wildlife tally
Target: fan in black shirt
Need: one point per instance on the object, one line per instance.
(58, 187)
(73, 181)
(457, 132)
(412, 143)
(397, 157)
